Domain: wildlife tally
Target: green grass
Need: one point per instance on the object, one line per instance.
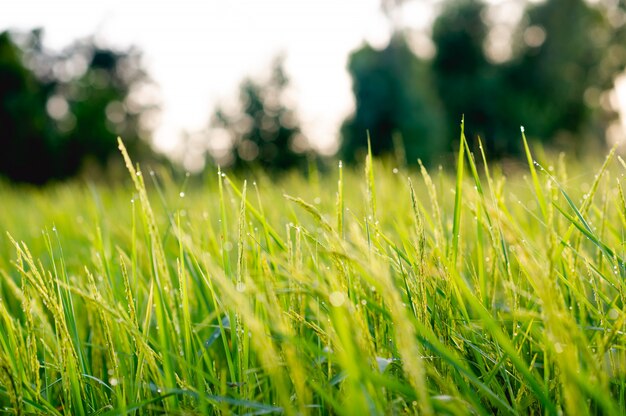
(379, 292)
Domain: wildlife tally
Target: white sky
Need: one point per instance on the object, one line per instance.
(198, 51)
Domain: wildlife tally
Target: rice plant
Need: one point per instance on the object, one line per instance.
(388, 291)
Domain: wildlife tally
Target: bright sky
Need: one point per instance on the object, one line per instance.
(198, 51)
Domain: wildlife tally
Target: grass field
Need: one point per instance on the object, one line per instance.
(362, 291)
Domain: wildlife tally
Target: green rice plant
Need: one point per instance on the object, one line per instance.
(375, 291)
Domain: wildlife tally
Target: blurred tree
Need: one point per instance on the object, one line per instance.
(393, 94)
(467, 83)
(102, 103)
(263, 130)
(568, 54)
(68, 108)
(26, 137)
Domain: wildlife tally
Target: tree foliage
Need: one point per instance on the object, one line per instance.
(25, 128)
(262, 130)
(391, 89)
(466, 82)
(558, 82)
(565, 68)
(62, 111)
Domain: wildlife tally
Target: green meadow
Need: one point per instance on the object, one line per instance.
(381, 289)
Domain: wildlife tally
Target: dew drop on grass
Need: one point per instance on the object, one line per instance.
(395, 171)
(241, 287)
(613, 314)
(181, 194)
(336, 299)
(383, 363)
(317, 200)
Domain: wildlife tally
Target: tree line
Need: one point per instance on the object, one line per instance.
(60, 113)
(558, 82)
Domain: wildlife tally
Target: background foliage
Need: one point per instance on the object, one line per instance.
(262, 130)
(557, 80)
(60, 112)
(393, 97)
